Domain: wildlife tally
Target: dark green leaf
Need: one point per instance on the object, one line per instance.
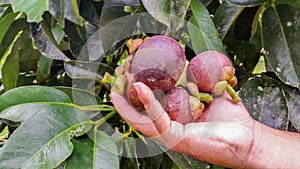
(86, 70)
(11, 68)
(77, 37)
(43, 68)
(44, 44)
(184, 161)
(80, 97)
(5, 23)
(31, 94)
(225, 16)
(105, 152)
(293, 104)
(82, 156)
(34, 9)
(281, 38)
(28, 59)
(72, 12)
(10, 35)
(294, 3)
(43, 139)
(265, 100)
(88, 11)
(202, 30)
(58, 33)
(170, 13)
(114, 9)
(57, 10)
(247, 2)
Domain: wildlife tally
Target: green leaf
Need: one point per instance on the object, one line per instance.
(202, 30)
(28, 59)
(51, 128)
(184, 161)
(88, 10)
(58, 33)
(77, 37)
(43, 68)
(87, 70)
(113, 10)
(31, 94)
(44, 44)
(11, 68)
(5, 23)
(57, 10)
(225, 17)
(170, 13)
(10, 35)
(247, 2)
(105, 151)
(264, 98)
(281, 36)
(294, 3)
(80, 97)
(34, 9)
(82, 156)
(293, 104)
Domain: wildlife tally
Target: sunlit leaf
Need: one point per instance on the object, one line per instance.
(202, 30)
(170, 13)
(34, 9)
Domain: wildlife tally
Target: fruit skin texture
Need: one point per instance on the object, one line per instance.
(205, 68)
(158, 62)
(177, 105)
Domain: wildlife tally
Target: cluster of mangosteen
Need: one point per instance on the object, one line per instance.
(183, 88)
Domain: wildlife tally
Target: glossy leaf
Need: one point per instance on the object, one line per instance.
(77, 37)
(86, 70)
(170, 13)
(57, 10)
(5, 23)
(88, 10)
(33, 94)
(293, 104)
(294, 3)
(80, 97)
(184, 161)
(11, 68)
(280, 33)
(202, 30)
(247, 2)
(82, 155)
(51, 127)
(10, 36)
(114, 9)
(264, 98)
(105, 152)
(58, 33)
(44, 44)
(34, 9)
(225, 17)
(28, 59)
(43, 68)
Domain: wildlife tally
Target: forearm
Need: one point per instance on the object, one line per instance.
(274, 148)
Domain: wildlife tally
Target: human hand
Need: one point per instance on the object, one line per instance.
(223, 135)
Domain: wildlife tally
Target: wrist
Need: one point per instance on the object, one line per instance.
(273, 148)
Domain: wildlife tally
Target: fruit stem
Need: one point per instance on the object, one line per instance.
(108, 78)
(233, 94)
(204, 97)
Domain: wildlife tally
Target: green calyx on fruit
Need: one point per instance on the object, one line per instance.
(212, 72)
(203, 97)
